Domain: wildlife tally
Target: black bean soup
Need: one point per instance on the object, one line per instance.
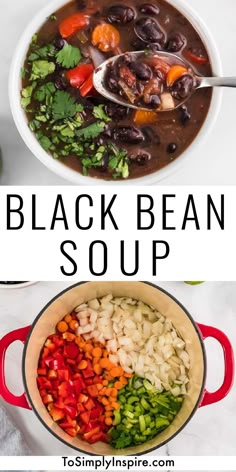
(90, 134)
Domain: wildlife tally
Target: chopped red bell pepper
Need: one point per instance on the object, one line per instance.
(79, 74)
(71, 350)
(72, 24)
(87, 87)
(52, 374)
(97, 437)
(42, 371)
(71, 400)
(89, 404)
(72, 432)
(59, 403)
(88, 372)
(47, 399)
(85, 417)
(91, 433)
(195, 58)
(63, 374)
(92, 390)
(57, 414)
(95, 414)
(65, 389)
(80, 407)
(70, 411)
(78, 385)
(82, 398)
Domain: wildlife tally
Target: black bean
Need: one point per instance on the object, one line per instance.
(138, 45)
(183, 87)
(140, 157)
(116, 112)
(60, 82)
(59, 43)
(120, 14)
(176, 43)
(141, 70)
(151, 137)
(148, 30)
(128, 134)
(154, 101)
(149, 9)
(171, 148)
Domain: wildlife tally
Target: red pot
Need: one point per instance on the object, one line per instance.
(34, 337)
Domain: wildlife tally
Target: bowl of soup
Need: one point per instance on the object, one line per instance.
(79, 134)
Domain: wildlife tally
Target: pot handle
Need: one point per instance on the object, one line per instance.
(210, 332)
(5, 342)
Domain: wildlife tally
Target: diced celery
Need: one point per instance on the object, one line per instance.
(142, 424)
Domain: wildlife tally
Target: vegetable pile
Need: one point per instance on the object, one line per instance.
(100, 385)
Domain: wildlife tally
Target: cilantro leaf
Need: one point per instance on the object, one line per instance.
(100, 114)
(41, 69)
(69, 56)
(45, 142)
(63, 106)
(42, 53)
(45, 91)
(27, 95)
(91, 131)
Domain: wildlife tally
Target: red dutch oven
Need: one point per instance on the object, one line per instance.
(193, 333)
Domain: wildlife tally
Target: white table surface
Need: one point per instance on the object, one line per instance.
(213, 163)
(212, 430)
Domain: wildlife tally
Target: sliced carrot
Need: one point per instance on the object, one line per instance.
(118, 385)
(174, 74)
(97, 352)
(113, 392)
(88, 347)
(108, 408)
(73, 324)
(108, 392)
(123, 380)
(105, 382)
(69, 336)
(129, 376)
(105, 401)
(115, 405)
(99, 386)
(67, 318)
(108, 421)
(96, 360)
(104, 363)
(116, 372)
(105, 353)
(62, 327)
(108, 413)
(106, 37)
(142, 117)
(97, 369)
(88, 355)
(83, 365)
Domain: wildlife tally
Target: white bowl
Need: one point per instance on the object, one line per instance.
(58, 167)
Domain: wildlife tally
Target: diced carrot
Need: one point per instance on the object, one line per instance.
(97, 369)
(99, 386)
(116, 372)
(88, 355)
(73, 325)
(104, 363)
(105, 382)
(143, 117)
(68, 318)
(88, 347)
(174, 74)
(97, 352)
(108, 421)
(113, 392)
(83, 365)
(108, 413)
(108, 392)
(108, 408)
(129, 376)
(106, 37)
(78, 340)
(69, 336)
(115, 405)
(62, 327)
(96, 360)
(105, 353)
(118, 385)
(105, 401)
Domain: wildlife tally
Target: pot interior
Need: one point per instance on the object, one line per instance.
(64, 304)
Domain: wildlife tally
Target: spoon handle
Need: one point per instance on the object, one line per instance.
(217, 82)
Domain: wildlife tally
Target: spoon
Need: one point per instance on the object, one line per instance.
(200, 82)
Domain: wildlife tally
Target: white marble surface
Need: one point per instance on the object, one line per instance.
(212, 430)
(213, 163)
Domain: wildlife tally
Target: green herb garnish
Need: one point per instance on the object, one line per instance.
(100, 114)
(64, 106)
(41, 69)
(69, 56)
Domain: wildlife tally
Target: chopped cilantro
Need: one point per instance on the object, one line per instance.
(27, 95)
(100, 114)
(52, 18)
(69, 56)
(64, 106)
(44, 52)
(44, 91)
(92, 131)
(41, 69)
(45, 142)
(24, 72)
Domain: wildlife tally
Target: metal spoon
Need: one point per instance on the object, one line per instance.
(201, 82)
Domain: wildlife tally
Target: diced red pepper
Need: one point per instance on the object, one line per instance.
(71, 411)
(63, 374)
(195, 58)
(59, 403)
(47, 399)
(97, 437)
(78, 385)
(85, 417)
(95, 414)
(92, 390)
(73, 23)
(65, 389)
(71, 350)
(82, 398)
(55, 384)
(44, 383)
(51, 346)
(57, 414)
(52, 374)
(89, 381)
(72, 432)
(42, 371)
(91, 433)
(71, 400)
(89, 404)
(79, 74)
(80, 407)
(88, 372)
(87, 87)
(45, 352)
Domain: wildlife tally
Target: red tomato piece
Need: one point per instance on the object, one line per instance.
(87, 87)
(79, 74)
(73, 23)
